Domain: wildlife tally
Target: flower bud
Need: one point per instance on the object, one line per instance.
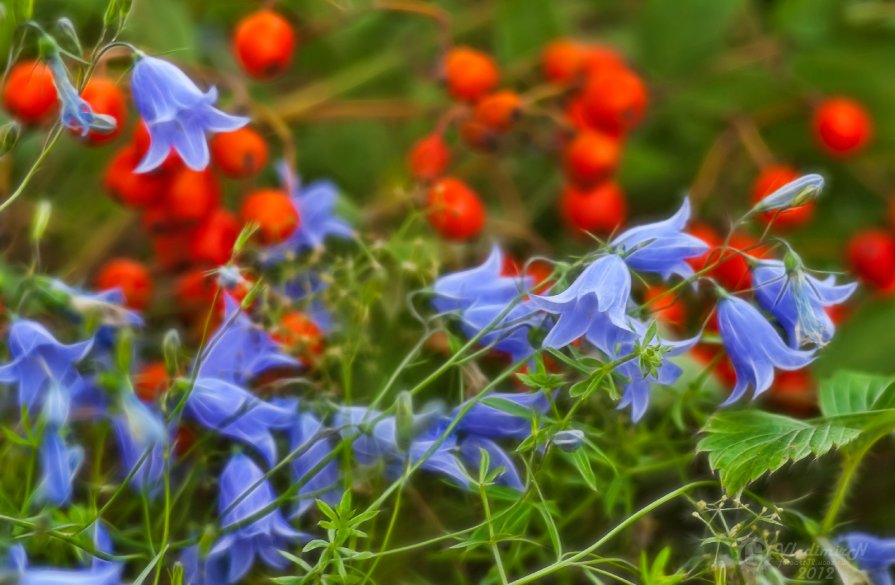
(793, 194)
(570, 440)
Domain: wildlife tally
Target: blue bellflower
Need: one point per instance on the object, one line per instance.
(235, 412)
(873, 555)
(797, 300)
(754, 347)
(306, 434)
(141, 438)
(240, 350)
(177, 114)
(59, 463)
(100, 572)
(242, 481)
(39, 361)
(661, 247)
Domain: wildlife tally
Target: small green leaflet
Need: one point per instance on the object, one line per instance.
(855, 393)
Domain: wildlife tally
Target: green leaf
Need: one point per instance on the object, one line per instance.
(509, 407)
(582, 463)
(856, 393)
(744, 445)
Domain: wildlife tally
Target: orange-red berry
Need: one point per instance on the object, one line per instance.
(130, 188)
(272, 210)
(615, 100)
(171, 250)
(469, 73)
(599, 59)
(499, 110)
(29, 94)
(105, 97)
(300, 334)
(239, 154)
(600, 209)
(151, 381)
(842, 126)
(871, 256)
(563, 61)
(130, 277)
(668, 308)
(429, 157)
(213, 240)
(264, 42)
(771, 178)
(591, 157)
(191, 197)
(454, 210)
(478, 136)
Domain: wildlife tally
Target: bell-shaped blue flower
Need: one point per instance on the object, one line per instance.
(873, 555)
(308, 435)
(108, 305)
(59, 463)
(471, 449)
(754, 347)
(177, 113)
(240, 350)
(142, 439)
(100, 572)
(483, 285)
(244, 493)
(662, 247)
(235, 412)
(39, 360)
(485, 420)
(797, 300)
(602, 291)
(377, 443)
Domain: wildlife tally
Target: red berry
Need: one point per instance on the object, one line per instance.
(591, 157)
(601, 209)
(615, 100)
(264, 42)
(730, 268)
(239, 154)
(842, 126)
(300, 334)
(151, 381)
(273, 212)
(191, 197)
(212, 242)
(429, 157)
(563, 61)
(29, 94)
(469, 73)
(773, 177)
(599, 59)
(871, 256)
(454, 210)
(171, 250)
(793, 392)
(105, 97)
(195, 291)
(669, 308)
(130, 188)
(478, 136)
(498, 110)
(130, 277)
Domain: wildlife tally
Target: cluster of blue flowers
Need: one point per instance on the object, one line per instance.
(597, 306)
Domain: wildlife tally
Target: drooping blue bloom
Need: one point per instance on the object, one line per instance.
(141, 439)
(244, 493)
(107, 304)
(76, 113)
(237, 413)
(483, 285)
(874, 555)
(601, 292)
(662, 247)
(754, 347)
(377, 443)
(507, 330)
(652, 367)
(314, 204)
(177, 114)
(39, 361)
(240, 350)
(483, 420)
(797, 300)
(471, 450)
(307, 434)
(59, 463)
(100, 572)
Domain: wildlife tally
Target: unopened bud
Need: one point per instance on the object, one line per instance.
(569, 440)
(793, 194)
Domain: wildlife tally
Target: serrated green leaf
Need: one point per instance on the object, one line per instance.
(743, 446)
(856, 393)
